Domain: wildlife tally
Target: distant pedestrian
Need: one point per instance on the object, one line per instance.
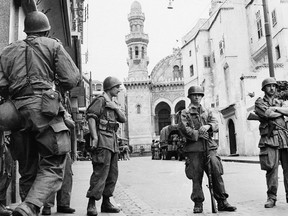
(126, 152)
(29, 71)
(103, 116)
(197, 124)
(273, 142)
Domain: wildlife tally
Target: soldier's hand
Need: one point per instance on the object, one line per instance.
(204, 128)
(111, 105)
(204, 134)
(94, 143)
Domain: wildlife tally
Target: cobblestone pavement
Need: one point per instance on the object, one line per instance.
(247, 193)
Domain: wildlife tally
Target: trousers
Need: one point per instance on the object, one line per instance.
(105, 174)
(196, 165)
(284, 164)
(63, 196)
(40, 148)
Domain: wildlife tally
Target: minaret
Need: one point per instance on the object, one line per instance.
(137, 44)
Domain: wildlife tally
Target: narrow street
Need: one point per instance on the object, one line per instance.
(156, 187)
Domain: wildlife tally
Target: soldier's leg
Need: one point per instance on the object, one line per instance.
(49, 179)
(217, 172)
(112, 177)
(24, 150)
(195, 170)
(64, 194)
(284, 164)
(101, 159)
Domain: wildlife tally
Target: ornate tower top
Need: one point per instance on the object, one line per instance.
(137, 42)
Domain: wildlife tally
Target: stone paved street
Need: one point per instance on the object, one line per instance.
(155, 187)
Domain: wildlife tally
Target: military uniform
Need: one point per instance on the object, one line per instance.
(273, 146)
(191, 120)
(41, 146)
(105, 156)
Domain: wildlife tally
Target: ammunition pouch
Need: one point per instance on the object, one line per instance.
(106, 125)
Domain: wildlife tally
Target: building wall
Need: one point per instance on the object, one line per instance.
(139, 124)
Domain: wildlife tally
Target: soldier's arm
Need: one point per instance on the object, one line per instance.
(67, 72)
(186, 129)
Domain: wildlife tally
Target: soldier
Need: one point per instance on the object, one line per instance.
(103, 115)
(5, 174)
(273, 142)
(29, 69)
(197, 124)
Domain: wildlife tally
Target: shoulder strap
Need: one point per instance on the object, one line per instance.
(43, 58)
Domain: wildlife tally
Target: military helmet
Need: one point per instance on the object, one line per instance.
(36, 22)
(267, 81)
(196, 90)
(10, 118)
(110, 82)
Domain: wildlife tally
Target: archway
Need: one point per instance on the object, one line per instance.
(163, 116)
(232, 137)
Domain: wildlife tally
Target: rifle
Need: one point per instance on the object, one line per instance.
(209, 175)
(272, 124)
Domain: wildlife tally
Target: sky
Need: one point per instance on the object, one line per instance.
(108, 25)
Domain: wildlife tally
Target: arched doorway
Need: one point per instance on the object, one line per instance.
(163, 115)
(180, 106)
(232, 137)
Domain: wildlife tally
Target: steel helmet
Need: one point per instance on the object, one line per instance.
(36, 22)
(10, 118)
(267, 81)
(110, 82)
(196, 90)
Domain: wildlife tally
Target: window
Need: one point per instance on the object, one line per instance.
(190, 53)
(274, 18)
(130, 53)
(277, 52)
(143, 52)
(207, 62)
(98, 87)
(213, 57)
(259, 24)
(221, 47)
(191, 70)
(138, 108)
(136, 52)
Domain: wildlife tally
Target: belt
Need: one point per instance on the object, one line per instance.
(24, 93)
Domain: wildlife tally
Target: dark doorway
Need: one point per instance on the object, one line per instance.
(232, 137)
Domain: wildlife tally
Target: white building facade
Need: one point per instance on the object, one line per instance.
(227, 55)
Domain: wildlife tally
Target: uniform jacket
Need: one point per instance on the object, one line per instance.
(272, 139)
(190, 121)
(13, 71)
(106, 120)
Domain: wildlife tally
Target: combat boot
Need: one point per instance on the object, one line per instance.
(108, 207)
(198, 207)
(270, 203)
(91, 208)
(223, 205)
(4, 211)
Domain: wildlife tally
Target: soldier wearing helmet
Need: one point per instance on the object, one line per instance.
(27, 73)
(197, 124)
(103, 115)
(273, 142)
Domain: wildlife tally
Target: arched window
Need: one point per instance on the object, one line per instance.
(143, 52)
(138, 108)
(130, 52)
(136, 52)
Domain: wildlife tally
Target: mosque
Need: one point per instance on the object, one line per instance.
(153, 99)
